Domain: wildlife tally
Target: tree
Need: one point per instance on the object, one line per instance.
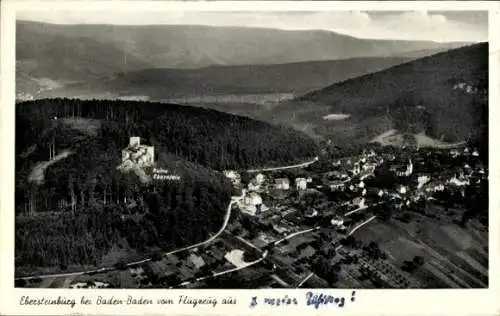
(157, 256)
(347, 241)
(20, 283)
(121, 265)
(251, 255)
(418, 260)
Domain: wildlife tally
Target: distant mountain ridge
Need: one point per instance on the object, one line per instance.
(77, 53)
(194, 46)
(294, 78)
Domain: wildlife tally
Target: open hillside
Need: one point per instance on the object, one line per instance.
(78, 53)
(444, 96)
(67, 158)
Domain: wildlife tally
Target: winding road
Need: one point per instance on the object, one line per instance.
(305, 279)
(249, 264)
(355, 229)
(234, 199)
(300, 165)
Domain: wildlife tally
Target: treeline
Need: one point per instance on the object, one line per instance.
(450, 115)
(166, 217)
(85, 206)
(208, 137)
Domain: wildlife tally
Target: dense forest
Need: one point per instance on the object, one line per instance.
(174, 216)
(213, 139)
(83, 206)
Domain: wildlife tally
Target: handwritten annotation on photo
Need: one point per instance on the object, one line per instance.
(315, 300)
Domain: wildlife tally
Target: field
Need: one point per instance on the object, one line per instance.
(454, 257)
(395, 138)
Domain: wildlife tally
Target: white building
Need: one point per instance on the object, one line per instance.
(313, 214)
(337, 222)
(359, 202)
(422, 180)
(282, 184)
(408, 171)
(253, 185)
(436, 188)
(233, 176)
(454, 153)
(260, 178)
(252, 204)
(402, 190)
(361, 185)
(459, 182)
(301, 183)
(356, 170)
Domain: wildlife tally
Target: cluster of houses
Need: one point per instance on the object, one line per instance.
(468, 88)
(252, 202)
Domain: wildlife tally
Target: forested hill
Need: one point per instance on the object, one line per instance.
(444, 96)
(210, 138)
(81, 210)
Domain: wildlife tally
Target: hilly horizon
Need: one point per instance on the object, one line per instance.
(54, 55)
(443, 96)
(161, 84)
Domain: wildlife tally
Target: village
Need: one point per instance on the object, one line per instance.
(326, 225)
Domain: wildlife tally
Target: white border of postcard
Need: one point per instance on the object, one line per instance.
(368, 302)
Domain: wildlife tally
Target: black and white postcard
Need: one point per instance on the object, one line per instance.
(249, 157)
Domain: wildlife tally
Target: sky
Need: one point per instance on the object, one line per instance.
(439, 26)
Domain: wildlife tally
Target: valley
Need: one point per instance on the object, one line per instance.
(200, 156)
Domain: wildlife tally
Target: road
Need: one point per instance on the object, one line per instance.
(265, 253)
(246, 242)
(355, 229)
(305, 279)
(361, 208)
(361, 225)
(249, 264)
(356, 210)
(300, 165)
(296, 234)
(234, 199)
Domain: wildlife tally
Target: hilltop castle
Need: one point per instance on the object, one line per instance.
(141, 155)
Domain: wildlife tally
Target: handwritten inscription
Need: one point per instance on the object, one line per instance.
(321, 299)
(270, 301)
